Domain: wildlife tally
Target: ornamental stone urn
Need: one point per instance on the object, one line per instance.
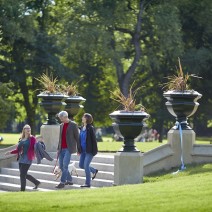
(129, 125)
(52, 104)
(73, 105)
(182, 105)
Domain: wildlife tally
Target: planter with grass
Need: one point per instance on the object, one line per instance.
(73, 105)
(52, 99)
(182, 105)
(128, 122)
(129, 125)
(182, 101)
(73, 101)
(52, 104)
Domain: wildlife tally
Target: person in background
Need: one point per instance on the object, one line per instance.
(68, 143)
(88, 148)
(25, 152)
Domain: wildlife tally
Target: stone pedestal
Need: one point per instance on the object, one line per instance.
(128, 168)
(186, 149)
(50, 134)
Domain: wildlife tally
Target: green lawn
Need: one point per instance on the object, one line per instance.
(9, 139)
(114, 146)
(188, 191)
(108, 145)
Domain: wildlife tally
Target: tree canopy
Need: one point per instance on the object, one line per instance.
(107, 43)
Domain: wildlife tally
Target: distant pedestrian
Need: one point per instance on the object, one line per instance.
(88, 148)
(26, 154)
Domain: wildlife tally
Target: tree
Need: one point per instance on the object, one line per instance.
(197, 33)
(108, 43)
(27, 49)
(6, 105)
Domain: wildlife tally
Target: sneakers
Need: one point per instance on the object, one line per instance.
(36, 186)
(95, 174)
(68, 183)
(85, 186)
(61, 185)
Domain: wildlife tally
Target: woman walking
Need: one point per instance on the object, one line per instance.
(25, 152)
(88, 148)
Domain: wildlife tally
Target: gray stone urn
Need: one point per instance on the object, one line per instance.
(129, 125)
(52, 104)
(73, 105)
(182, 105)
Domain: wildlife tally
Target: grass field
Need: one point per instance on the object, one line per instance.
(187, 191)
(190, 190)
(9, 139)
(108, 145)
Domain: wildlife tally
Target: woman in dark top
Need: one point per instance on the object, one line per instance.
(25, 152)
(88, 148)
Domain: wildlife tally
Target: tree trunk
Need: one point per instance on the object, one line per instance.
(161, 130)
(30, 108)
(124, 78)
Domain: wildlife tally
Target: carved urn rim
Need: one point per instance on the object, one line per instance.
(128, 113)
(182, 93)
(41, 95)
(76, 98)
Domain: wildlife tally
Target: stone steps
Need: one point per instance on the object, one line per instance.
(100, 166)
(16, 187)
(99, 158)
(10, 181)
(45, 184)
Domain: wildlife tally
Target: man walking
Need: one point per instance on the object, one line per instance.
(68, 143)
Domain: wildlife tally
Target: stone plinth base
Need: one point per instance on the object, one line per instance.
(186, 149)
(128, 168)
(50, 134)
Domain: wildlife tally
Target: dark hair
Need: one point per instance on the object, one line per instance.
(88, 117)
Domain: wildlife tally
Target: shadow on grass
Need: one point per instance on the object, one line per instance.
(191, 169)
(199, 168)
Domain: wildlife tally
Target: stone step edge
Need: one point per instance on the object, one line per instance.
(41, 180)
(98, 155)
(28, 188)
(47, 173)
(51, 166)
(74, 186)
(76, 161)
(49, 170)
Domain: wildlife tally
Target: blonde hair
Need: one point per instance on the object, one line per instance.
(23, 132)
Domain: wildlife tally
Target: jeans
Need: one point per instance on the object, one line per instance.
(64, 160)
(23, 168)
(84, 163)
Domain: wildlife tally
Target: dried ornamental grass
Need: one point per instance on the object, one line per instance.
(178, 82)
(70, 89)
(128, 102)
(49, 83)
